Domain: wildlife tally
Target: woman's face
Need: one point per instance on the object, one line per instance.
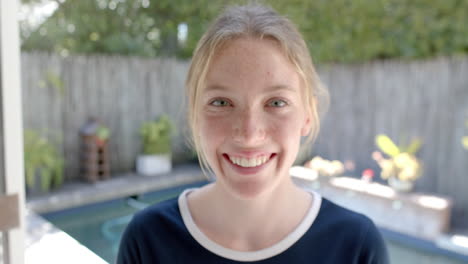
(252, 116)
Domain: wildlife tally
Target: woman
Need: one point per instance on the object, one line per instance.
(253, 94)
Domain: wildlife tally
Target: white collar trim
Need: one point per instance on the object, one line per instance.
(262, 254)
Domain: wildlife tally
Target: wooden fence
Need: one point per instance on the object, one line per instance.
(403, 99)
(425, 99)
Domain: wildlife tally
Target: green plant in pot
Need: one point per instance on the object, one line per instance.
(156, 144)
(42, 162)
(102, 135)
(402, 167)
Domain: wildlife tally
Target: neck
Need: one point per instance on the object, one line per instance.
(249, 224)
(272, 200)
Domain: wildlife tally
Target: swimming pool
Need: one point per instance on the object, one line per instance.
(100, 226)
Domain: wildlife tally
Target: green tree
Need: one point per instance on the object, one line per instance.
(140, 27)
(335, 30)
(361, 30)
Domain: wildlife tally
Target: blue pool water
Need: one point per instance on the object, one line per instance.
(100, 226)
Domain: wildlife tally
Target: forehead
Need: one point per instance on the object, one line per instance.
(249, 62)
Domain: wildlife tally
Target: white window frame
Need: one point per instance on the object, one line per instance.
(11, 110)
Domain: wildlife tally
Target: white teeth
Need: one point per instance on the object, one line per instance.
(259, 162)
(245, 162)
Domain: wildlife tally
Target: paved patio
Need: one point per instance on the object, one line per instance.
(81, 193)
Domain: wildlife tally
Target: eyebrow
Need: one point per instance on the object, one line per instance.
(217, 87)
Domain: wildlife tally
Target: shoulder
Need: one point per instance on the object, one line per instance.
(153, 219)
(333, 214)
(147, 232)
(347, 222)
(160, 213)
(350, 229)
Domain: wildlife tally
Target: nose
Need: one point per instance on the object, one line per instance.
(249, 127)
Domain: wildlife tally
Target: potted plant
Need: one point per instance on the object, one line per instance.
(324, 167)
(43, 165)
(156, 143)
(102, 135)
(95, 131)
(402, 167)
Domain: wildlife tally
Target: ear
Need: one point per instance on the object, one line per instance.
(307, 126)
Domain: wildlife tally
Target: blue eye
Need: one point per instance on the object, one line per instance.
(277, 103)
(220, 103)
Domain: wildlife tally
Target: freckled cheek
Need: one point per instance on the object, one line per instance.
(290, 125)
(213, 132)
(214, 124)
(288, 135)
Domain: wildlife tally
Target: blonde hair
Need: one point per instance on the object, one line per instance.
(253, 21)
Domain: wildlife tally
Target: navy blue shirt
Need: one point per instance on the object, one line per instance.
(159, 234)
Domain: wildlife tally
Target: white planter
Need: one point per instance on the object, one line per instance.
(400, 186)
(152, 165)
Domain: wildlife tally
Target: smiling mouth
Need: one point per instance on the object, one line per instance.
(249, 162)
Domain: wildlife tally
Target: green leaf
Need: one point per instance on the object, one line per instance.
(386, 145)
(156, 136)
(54, 80)
(103, 133)
(46, 175)
(30, 180)
(414, 146)
(41, 158)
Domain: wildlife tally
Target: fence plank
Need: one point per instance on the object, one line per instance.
(404, 99)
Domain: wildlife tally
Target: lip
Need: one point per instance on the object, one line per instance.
(248, 170)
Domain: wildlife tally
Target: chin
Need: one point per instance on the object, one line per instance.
(249, 190)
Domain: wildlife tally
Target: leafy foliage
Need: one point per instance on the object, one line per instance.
(156, 136)
(140, 27)
(360, 30)
(335, 30)
(53, 80)
(103, 132)
(387, 146)
(41, 157)
(402, 164)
